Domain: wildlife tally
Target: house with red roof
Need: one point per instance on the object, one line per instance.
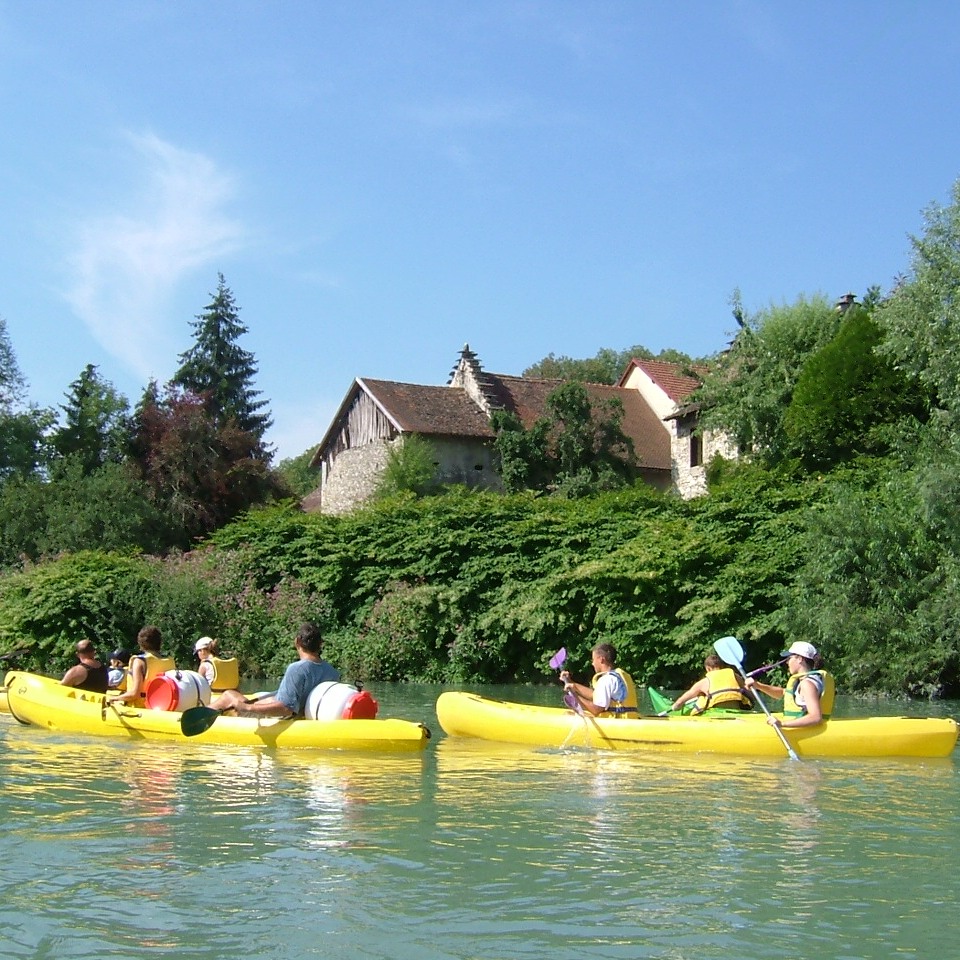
(665, 388)
(455, 419)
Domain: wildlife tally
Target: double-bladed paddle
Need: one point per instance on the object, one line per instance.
(731, 653)
(194, 720)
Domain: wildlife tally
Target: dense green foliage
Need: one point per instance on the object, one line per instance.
(470, 586)
(846, 396)
(748, 391)
(840, 525)
(410, 468)
(96, 425)
(577, 449)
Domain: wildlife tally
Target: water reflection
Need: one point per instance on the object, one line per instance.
(118, 850)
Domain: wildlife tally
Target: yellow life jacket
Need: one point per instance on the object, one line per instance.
(825, 684)
(627, 707)
(724, 691)
(226, 674)
(156, 666)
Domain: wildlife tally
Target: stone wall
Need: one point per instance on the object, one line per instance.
(356, 471)
(353, 477)
(689, 480)
(466, 461)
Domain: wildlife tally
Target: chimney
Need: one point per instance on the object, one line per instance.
(846, 302)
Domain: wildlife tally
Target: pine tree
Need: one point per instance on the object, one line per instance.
(96, 425)
(217, 369)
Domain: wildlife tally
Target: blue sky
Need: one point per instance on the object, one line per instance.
(381, 182)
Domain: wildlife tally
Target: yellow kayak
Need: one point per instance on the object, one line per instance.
(470, 715)
(44, 702)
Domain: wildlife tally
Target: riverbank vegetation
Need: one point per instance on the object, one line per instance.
(839, 525)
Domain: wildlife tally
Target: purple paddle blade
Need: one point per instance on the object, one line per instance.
(558, 659)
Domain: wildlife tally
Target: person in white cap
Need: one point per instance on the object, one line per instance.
(205, 648)
(808, 695)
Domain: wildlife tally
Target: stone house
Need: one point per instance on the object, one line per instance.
(665, 387)
(455, 419)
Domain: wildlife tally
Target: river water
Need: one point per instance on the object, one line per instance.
(125, 850)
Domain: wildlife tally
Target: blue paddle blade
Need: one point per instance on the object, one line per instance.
(729, 651)
(558, 659)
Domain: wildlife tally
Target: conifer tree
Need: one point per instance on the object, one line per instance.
(96, 426)
(220, 371)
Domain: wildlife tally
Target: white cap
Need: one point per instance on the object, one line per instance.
(203, 643)
(802, 649)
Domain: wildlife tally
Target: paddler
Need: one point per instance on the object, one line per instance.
(808, 695)
(611, 692)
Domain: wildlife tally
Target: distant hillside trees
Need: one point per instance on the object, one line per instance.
(606, 367)
(297, 474)
(187, 460)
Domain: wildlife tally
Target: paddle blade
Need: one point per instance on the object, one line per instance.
(658, 701)
(558, 659)
(730, 652)
(572, 702)
(197, 719)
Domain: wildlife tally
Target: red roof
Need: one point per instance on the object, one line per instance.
(673, 379)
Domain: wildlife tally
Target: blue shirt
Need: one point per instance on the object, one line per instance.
(299, 679)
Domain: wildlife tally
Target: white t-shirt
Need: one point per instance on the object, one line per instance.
(609, 687)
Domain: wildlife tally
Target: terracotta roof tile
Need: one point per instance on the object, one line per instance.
(438, 411)
(669, 377)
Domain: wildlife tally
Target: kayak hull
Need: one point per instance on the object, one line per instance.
(44, 702)
(470, 715)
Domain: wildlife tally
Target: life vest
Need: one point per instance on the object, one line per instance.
(156, 666)
(626, 707)
(724, 691)
(226, 674)
(825, 685)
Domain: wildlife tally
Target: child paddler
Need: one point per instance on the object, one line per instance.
(611, 692)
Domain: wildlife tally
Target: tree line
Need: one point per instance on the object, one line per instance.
(839, 524)
(187, 458)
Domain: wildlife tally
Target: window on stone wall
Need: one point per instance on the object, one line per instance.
(696, 450)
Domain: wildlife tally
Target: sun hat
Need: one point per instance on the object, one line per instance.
(802, 649)
(203, 643)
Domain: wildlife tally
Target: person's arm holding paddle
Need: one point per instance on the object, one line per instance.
(607, 686)
(700, 689)
(802, 695)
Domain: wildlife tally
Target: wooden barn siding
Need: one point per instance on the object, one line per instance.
(363, 423)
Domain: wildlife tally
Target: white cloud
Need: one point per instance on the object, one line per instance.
(126, 265)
